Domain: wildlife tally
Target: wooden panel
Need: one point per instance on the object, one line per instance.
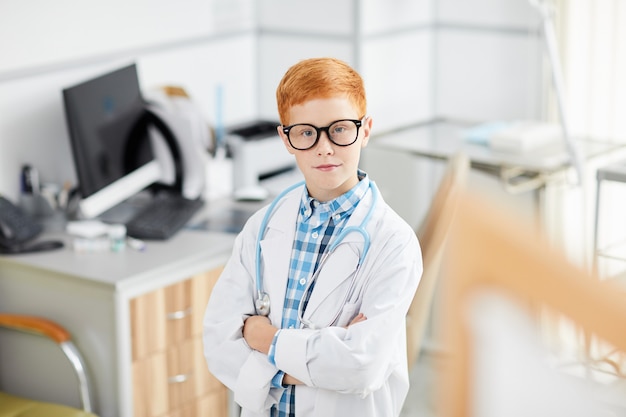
(181, 374)
(189, 410)
(214, 404)
(205, 382)
(147, 330)
(140, 390)
(150, 397)
(201, 287)
(170, 375)
(178, 312)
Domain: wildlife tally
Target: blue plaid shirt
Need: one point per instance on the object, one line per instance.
(317, 224)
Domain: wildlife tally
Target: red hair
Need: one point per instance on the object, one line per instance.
(317, 78)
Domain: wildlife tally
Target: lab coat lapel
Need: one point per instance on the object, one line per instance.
(340, 265)
(276, 251)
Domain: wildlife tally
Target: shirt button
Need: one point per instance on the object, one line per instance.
(337, 217)
(302, 281)
(314, 235)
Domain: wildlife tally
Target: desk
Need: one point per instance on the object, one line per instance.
(542, 173)
(519, 172)
(98, 296)
(530, 172)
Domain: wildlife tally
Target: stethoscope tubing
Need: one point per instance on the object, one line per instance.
(346, 297)
(262, 302)
(262, 228)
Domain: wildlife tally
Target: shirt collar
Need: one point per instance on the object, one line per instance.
(340, 206)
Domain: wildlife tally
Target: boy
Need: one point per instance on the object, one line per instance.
(333, 343)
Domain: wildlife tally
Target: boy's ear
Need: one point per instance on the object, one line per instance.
(282, 135)
(366, 127)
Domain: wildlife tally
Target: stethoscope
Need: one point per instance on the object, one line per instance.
(262, 303)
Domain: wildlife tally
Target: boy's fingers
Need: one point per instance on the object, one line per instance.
(359, 318)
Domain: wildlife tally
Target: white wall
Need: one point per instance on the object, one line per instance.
(479, 60)
(467, 59)
(387, 41)
(44, 34)
(48, 46)
(489, 58)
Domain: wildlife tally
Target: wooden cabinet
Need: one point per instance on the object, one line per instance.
(170, 376)
(135, 316)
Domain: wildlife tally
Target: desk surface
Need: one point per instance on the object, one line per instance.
(613, 172)
(441, 139)
(131, 268)
(206, 240)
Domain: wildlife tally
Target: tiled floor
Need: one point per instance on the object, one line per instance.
(421, 400)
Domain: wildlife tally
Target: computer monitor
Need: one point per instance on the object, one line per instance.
(112, 162)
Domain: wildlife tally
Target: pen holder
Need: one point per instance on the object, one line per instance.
(36, 205)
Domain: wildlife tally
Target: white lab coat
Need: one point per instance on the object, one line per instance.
(358, 371)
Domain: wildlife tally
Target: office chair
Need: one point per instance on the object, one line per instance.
(432, 234)
(15, 406)
(491, 250)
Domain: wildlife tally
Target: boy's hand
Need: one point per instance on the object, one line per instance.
(258, 333)
(359, 318)
(289, 380)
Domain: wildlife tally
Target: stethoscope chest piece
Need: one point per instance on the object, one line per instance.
(262, 304)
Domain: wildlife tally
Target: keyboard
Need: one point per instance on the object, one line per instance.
(162, 217)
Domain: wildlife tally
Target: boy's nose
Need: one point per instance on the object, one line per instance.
(324, 145)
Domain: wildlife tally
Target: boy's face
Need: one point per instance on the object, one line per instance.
(329, 170)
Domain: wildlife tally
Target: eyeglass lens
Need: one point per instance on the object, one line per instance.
(341, 132)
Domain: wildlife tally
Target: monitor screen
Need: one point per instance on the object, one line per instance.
(102, 115)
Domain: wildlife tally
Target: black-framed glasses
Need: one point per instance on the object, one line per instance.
(303, 136)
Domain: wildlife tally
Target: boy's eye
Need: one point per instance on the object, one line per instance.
(303, 131)
(339, 129)
(308, 133)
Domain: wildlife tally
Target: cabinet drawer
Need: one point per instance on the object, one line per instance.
(214, 404)
(150, 388)
(147, 325)
(205, 382)
(169, 315)
(160, 319)
(182, 376)
(201, 287)
(176, 380)
(170, 375)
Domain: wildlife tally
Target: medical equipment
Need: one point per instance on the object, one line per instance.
(262, 303)
(258, 152)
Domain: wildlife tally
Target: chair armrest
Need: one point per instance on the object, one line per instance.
(58, 334)
(41, 326)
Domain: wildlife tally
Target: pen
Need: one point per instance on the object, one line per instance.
(30, 180)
